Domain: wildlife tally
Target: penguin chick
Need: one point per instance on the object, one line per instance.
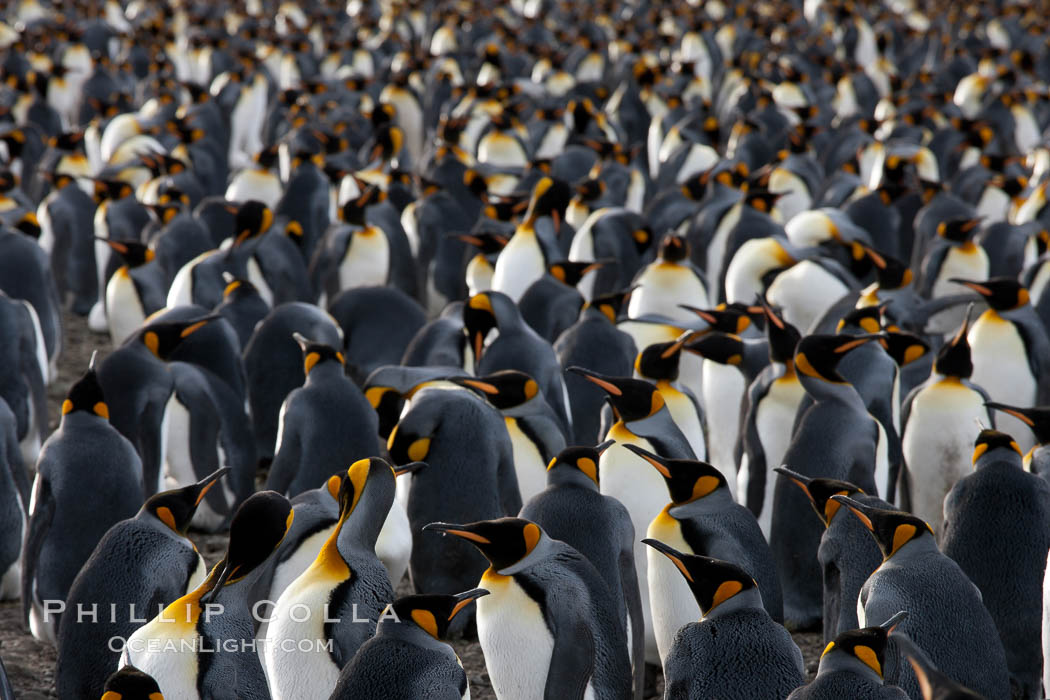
(736, 650)
(548, 626)
(408, 657)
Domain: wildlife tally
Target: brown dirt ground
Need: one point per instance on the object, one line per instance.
(30, 664)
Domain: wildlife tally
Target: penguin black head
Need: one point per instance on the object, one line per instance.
(631, 399)
(673, 248)
(724, 318)
(687, 480)
(388, 142)
(609, 305)
(353, 210)
(253, 219)
(583, 459)
(783, 337)
(433, 613)
(817, 356)
(954, 359)
(488, 242)
(131, 252)
(387, 403)
(1036, 418)
(162, 338)
(1001, 293)
(86, 395)
(989, 441)
(892, 529)
(237, 286)
(723, 348)
(504, 389)
(29, 225)
(867, 645)
(315, 353)
(129, 683)
(112, 189)
(571, 272)
(890, 273)
(660, 360)
(257, 529)
(550, 197)
(867, 319)
(176, 508)
(903, 347)
(958, 230)
(503, 541)
(712, 581)
(933, 684)
(819, 492)
(353, 485)
(479, 317)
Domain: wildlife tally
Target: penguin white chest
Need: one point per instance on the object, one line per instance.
(662, 287)
(937, 443)
(515, 639)
(178, 464)
(684, 414)
(166, 651)
(1000, 366)
(124, 308)
(394, 546)
(723, 390)
(367, 260)
(519, 264)
(294, 566)
(805, 292)
(296, 662)
(671, 602)
(528, 462)
(774, 418)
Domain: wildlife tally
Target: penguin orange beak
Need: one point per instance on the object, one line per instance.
(891, 624)
(798, 479)
(603, 446)
(468, 382)
(671, 553)
(652, 459)
(409, 468)
(461, 531)
(594, 378)
(464, 599)
(858, 510)
(205, 484)
(975, 286)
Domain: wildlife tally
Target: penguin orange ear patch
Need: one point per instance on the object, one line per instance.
(725, 591)
(869, 657)
(311, 359)
(67, 406)
(419, 449)
(901, 536)
(101, 410)
(425, 619)
(531, 533)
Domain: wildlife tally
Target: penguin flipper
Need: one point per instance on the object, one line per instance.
(633, 598)
(38, 527)
(286, 459)
(572, 662)
(757, 469)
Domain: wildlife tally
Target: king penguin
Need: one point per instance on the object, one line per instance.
(735, 650)
(408, 657)
(937, 422)
(642, 419)
(515, 346)
(85, 462)
(835, 438)
(535, 434)
(1010, 350)
(669, 281)
(346, 584)
(768, 417)
(846, 553)
(312, 440)
(702, 518)
(946, 614)
(535, 241)
(572, 509)
(191, 649)
(141, 563)
(1037, 459)
(852, 666)
(548, 626)
(659, 363)
(1001, 503)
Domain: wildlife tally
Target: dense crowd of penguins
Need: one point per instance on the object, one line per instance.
(635, 333)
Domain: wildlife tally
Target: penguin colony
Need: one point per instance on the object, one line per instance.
(635, 334)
